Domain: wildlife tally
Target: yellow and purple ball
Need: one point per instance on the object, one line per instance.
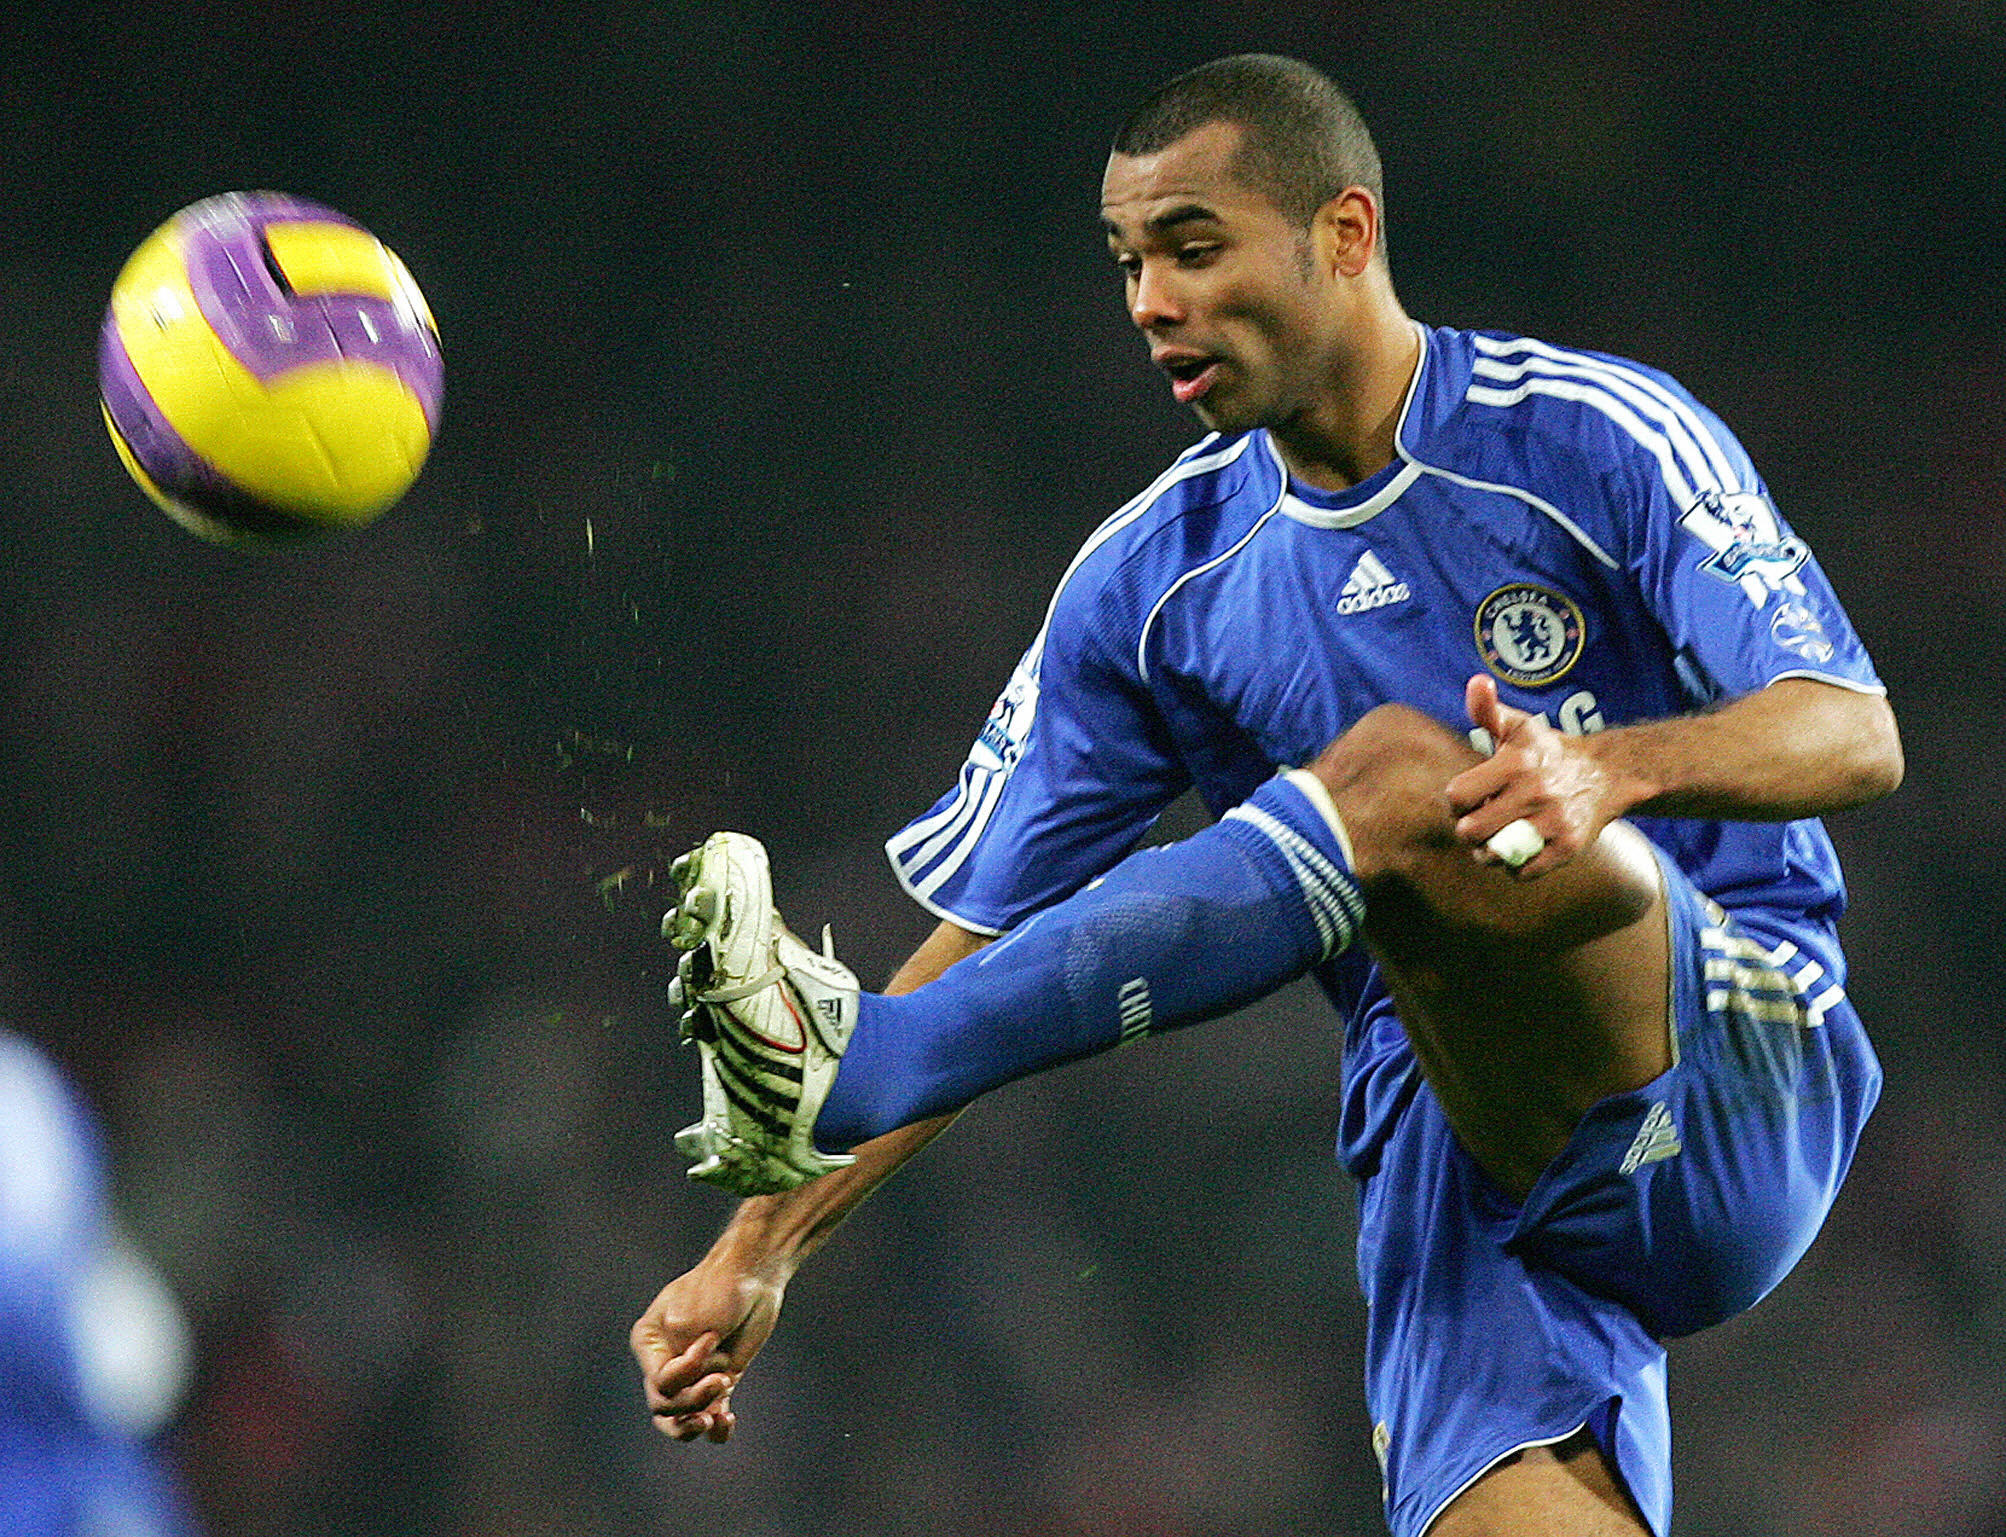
(269, 370)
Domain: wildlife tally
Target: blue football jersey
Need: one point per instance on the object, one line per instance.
(1573, 523)
(88, 1340)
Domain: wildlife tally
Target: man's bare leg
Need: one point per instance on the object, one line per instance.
(1566, 1490)
(1526, 1001)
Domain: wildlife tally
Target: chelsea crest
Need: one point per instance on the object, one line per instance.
(1529, 635)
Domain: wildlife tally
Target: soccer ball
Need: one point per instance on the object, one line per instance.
(268, 369)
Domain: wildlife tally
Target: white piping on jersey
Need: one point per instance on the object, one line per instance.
(1302, 511)
(1184, 469)
(1519, 493)
(976, 787)
(951, 834)
(1142, 641)
(1682, 422)
(1511, 1451)
(1660, 444)
(1386, 496)
(1878, 690)
(988, 930)
(1351, 517)
(1192, 463)
(992, 794)
(1691, 458)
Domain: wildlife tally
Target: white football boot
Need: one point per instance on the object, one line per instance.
(769, 1016)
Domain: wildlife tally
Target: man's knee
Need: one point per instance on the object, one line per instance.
(1391, 741)
(1388, 776)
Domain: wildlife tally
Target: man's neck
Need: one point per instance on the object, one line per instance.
(1350, 437)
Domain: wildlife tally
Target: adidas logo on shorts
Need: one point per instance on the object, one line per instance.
(1371, 585)
(1656, 1140)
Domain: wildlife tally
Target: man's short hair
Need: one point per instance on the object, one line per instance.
(1304, 143)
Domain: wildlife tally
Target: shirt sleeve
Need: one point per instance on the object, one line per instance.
(1740, 594)
(1071, 768)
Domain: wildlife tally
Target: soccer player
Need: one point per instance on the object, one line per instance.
(1517, 702)
(93, 1348)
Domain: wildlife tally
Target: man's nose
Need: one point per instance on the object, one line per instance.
(1152, 300)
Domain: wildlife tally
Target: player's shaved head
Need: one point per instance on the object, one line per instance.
(1303, 140)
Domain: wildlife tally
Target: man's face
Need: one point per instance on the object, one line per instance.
(1224, 285)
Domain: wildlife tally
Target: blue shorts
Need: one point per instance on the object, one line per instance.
(1497, 1326)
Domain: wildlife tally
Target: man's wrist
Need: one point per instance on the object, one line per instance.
(764, 1239)
(1631, 780)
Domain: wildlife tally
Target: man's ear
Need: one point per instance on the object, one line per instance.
(1346, 232)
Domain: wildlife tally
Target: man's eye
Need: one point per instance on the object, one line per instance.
(1130, 266)
(1197, 253)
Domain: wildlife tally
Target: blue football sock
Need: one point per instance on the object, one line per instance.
(1169, 937)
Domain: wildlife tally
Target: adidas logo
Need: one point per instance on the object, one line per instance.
(1656, 1140)
(1137, 1012)
(1371, 585)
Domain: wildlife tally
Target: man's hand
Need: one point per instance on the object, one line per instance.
(1536, 774)
(695, 1341)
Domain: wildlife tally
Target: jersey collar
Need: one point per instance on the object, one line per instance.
(1436, 394)
(1429, 399)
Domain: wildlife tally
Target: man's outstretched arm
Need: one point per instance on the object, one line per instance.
(699, 1335)
(1797, 748)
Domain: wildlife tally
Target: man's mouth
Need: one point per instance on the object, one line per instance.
(1191, 374)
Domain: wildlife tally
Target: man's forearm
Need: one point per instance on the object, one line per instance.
(1798, 748)
(775, 1233)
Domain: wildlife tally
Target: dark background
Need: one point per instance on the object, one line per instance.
(785, 371)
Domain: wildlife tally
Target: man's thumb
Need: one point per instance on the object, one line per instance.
(1480, 698)
(1498, 719)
